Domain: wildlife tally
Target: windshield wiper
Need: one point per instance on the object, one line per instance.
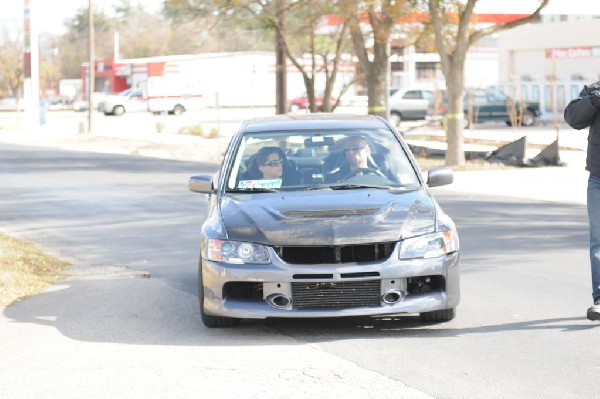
(354, 185)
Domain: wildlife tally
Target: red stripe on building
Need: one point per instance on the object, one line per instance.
(413, 17)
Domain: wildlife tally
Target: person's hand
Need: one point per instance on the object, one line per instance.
(593, 91)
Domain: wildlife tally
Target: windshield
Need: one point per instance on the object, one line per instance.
(313, 160)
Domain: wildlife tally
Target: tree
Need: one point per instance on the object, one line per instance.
(311, 53)
(11, 63)
(73, 45)
(379, 19)
(200, 26)
(454, 35)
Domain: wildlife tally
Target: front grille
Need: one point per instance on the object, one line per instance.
(335, 254)
(335, 295)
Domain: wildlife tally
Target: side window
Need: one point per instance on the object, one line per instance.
(412, 95)
(478, 97)
(427, 95)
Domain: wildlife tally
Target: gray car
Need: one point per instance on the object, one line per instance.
(324, 215)
(410, 104)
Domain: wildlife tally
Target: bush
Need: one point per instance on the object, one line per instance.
(194, 130)
(197, 130)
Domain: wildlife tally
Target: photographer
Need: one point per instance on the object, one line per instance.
(581, 113)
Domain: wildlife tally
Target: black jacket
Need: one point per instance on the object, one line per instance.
(584, 112)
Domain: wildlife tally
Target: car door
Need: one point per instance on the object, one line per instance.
(498, 105)
(137, 102)
(477, 102)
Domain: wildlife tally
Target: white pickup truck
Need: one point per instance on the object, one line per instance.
(158, 95)
(130, 100)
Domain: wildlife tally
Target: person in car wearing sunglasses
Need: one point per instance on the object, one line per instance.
(270, 163)
(355, 160)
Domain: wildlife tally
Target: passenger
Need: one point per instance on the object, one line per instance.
(270, 163)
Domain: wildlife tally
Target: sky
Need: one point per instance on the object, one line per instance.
(51, 13)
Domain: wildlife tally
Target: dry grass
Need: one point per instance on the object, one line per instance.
(25, 270)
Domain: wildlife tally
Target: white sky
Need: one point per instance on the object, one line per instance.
(51, 13)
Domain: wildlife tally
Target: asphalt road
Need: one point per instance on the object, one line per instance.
(520, 332)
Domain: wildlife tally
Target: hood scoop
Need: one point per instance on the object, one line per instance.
(328, 213)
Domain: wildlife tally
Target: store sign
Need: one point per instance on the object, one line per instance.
(572, 52)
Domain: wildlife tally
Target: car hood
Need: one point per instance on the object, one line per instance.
(114, 97)
(327, 218)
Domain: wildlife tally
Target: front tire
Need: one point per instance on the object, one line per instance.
(209, 320)
(178, 110)
(438, 316)
(528, 118)
(118, 110)
(395, 119)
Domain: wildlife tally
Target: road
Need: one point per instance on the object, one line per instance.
(109, 330)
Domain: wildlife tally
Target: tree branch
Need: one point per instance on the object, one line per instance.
(475, 37)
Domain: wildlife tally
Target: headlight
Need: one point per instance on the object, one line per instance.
(429, 246)
(236, 252)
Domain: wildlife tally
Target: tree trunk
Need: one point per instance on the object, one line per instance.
(455, 155)
(376, 74)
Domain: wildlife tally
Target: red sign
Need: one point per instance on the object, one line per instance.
(569, 53)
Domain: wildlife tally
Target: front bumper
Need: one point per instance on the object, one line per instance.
(278, 277)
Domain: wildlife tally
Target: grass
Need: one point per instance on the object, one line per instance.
(25, 270)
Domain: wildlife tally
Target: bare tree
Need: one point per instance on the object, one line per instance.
(454, 35)
(11, 63)
(371, 28)
(312, 53)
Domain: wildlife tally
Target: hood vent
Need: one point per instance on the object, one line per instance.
(330, 213)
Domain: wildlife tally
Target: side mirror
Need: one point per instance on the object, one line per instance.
(439, 177)
(201, 184)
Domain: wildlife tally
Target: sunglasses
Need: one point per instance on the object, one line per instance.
(272, 163)
(354, 148)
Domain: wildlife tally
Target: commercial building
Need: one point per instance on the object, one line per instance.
(550, 61)
(225, 79)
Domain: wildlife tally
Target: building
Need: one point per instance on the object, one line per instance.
(225, 79)
(551, 61)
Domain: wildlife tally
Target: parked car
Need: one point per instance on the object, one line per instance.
(301, 102)
(410, 104)
(488, 105)
(130, 100)
(372, 241)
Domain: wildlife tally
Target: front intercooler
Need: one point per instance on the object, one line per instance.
(336, 295)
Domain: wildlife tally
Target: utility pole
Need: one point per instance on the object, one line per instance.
(281, 60)
(31, 84)
(91, 64)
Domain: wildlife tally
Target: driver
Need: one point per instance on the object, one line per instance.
(356, 156)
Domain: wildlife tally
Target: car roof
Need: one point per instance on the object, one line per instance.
(313, 121)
